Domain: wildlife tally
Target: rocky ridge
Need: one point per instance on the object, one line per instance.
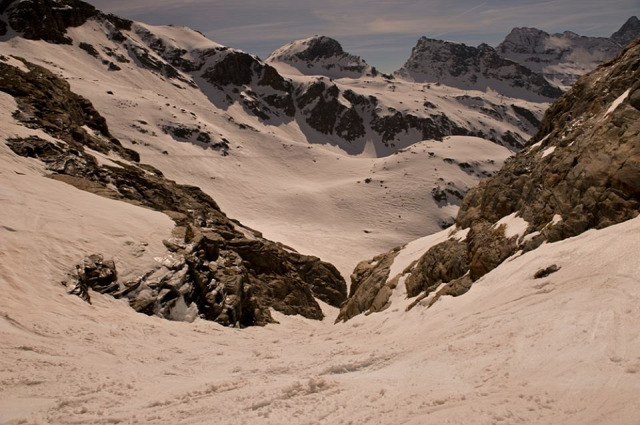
(581, 171)
(214, 267)
(563, 57)
(629, 31)
(342, 114)
(473, 68)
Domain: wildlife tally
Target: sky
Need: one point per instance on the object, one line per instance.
(381, 32)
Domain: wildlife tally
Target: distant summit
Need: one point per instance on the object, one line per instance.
(319, 55)
(473, 68)
(628, 32)
(564, 57)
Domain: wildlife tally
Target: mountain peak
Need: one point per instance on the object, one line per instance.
(473, 68)
(629, 31)
(319, 55)
(320, 46)
(562, 57)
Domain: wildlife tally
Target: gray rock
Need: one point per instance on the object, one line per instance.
(629, 31)
(97, 274)
(442, 263)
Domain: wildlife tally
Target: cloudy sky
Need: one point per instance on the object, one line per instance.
(382, 32)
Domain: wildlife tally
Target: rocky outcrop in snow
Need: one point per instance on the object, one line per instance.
(581, 171)
(27, 18)
(218, 268)
(320, 55)
(473, 68)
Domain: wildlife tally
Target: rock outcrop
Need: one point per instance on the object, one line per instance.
(371, 287)
(26, 17)
(580, 172)
(217, 267)
(473, 68)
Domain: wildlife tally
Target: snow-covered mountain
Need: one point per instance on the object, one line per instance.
(131, 140)
(220, 119)
(319, 55)
(628, 32)
(580, 172)
(564, 57)
(474, 68)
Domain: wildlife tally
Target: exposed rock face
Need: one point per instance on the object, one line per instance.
(564, 57)
(581, 171)
(473, 68)
(370, 287)
(215, 269)
(268, 94)
(443, 263)
(26, 17)
(629, 31)
(320, 55)
(581, 165)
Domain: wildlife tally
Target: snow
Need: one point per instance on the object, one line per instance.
(548, 151)
(179, 37)
(563, 349)
(284, 180)
(514, 226)
(617, 102)
(557, 218)
(538, 144)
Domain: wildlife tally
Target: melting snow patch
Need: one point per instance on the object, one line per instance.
(538, 144)
(460, 235)
(514, 226)
(548, 151)
(617, 102)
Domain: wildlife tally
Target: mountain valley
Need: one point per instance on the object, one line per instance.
(469, 222)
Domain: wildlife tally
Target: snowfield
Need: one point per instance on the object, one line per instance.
(562, 349)
(295, 185)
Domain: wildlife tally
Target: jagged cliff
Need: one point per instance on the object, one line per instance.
(473, 68)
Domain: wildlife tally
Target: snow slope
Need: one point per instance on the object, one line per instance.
(286, 181)
(563, 349)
